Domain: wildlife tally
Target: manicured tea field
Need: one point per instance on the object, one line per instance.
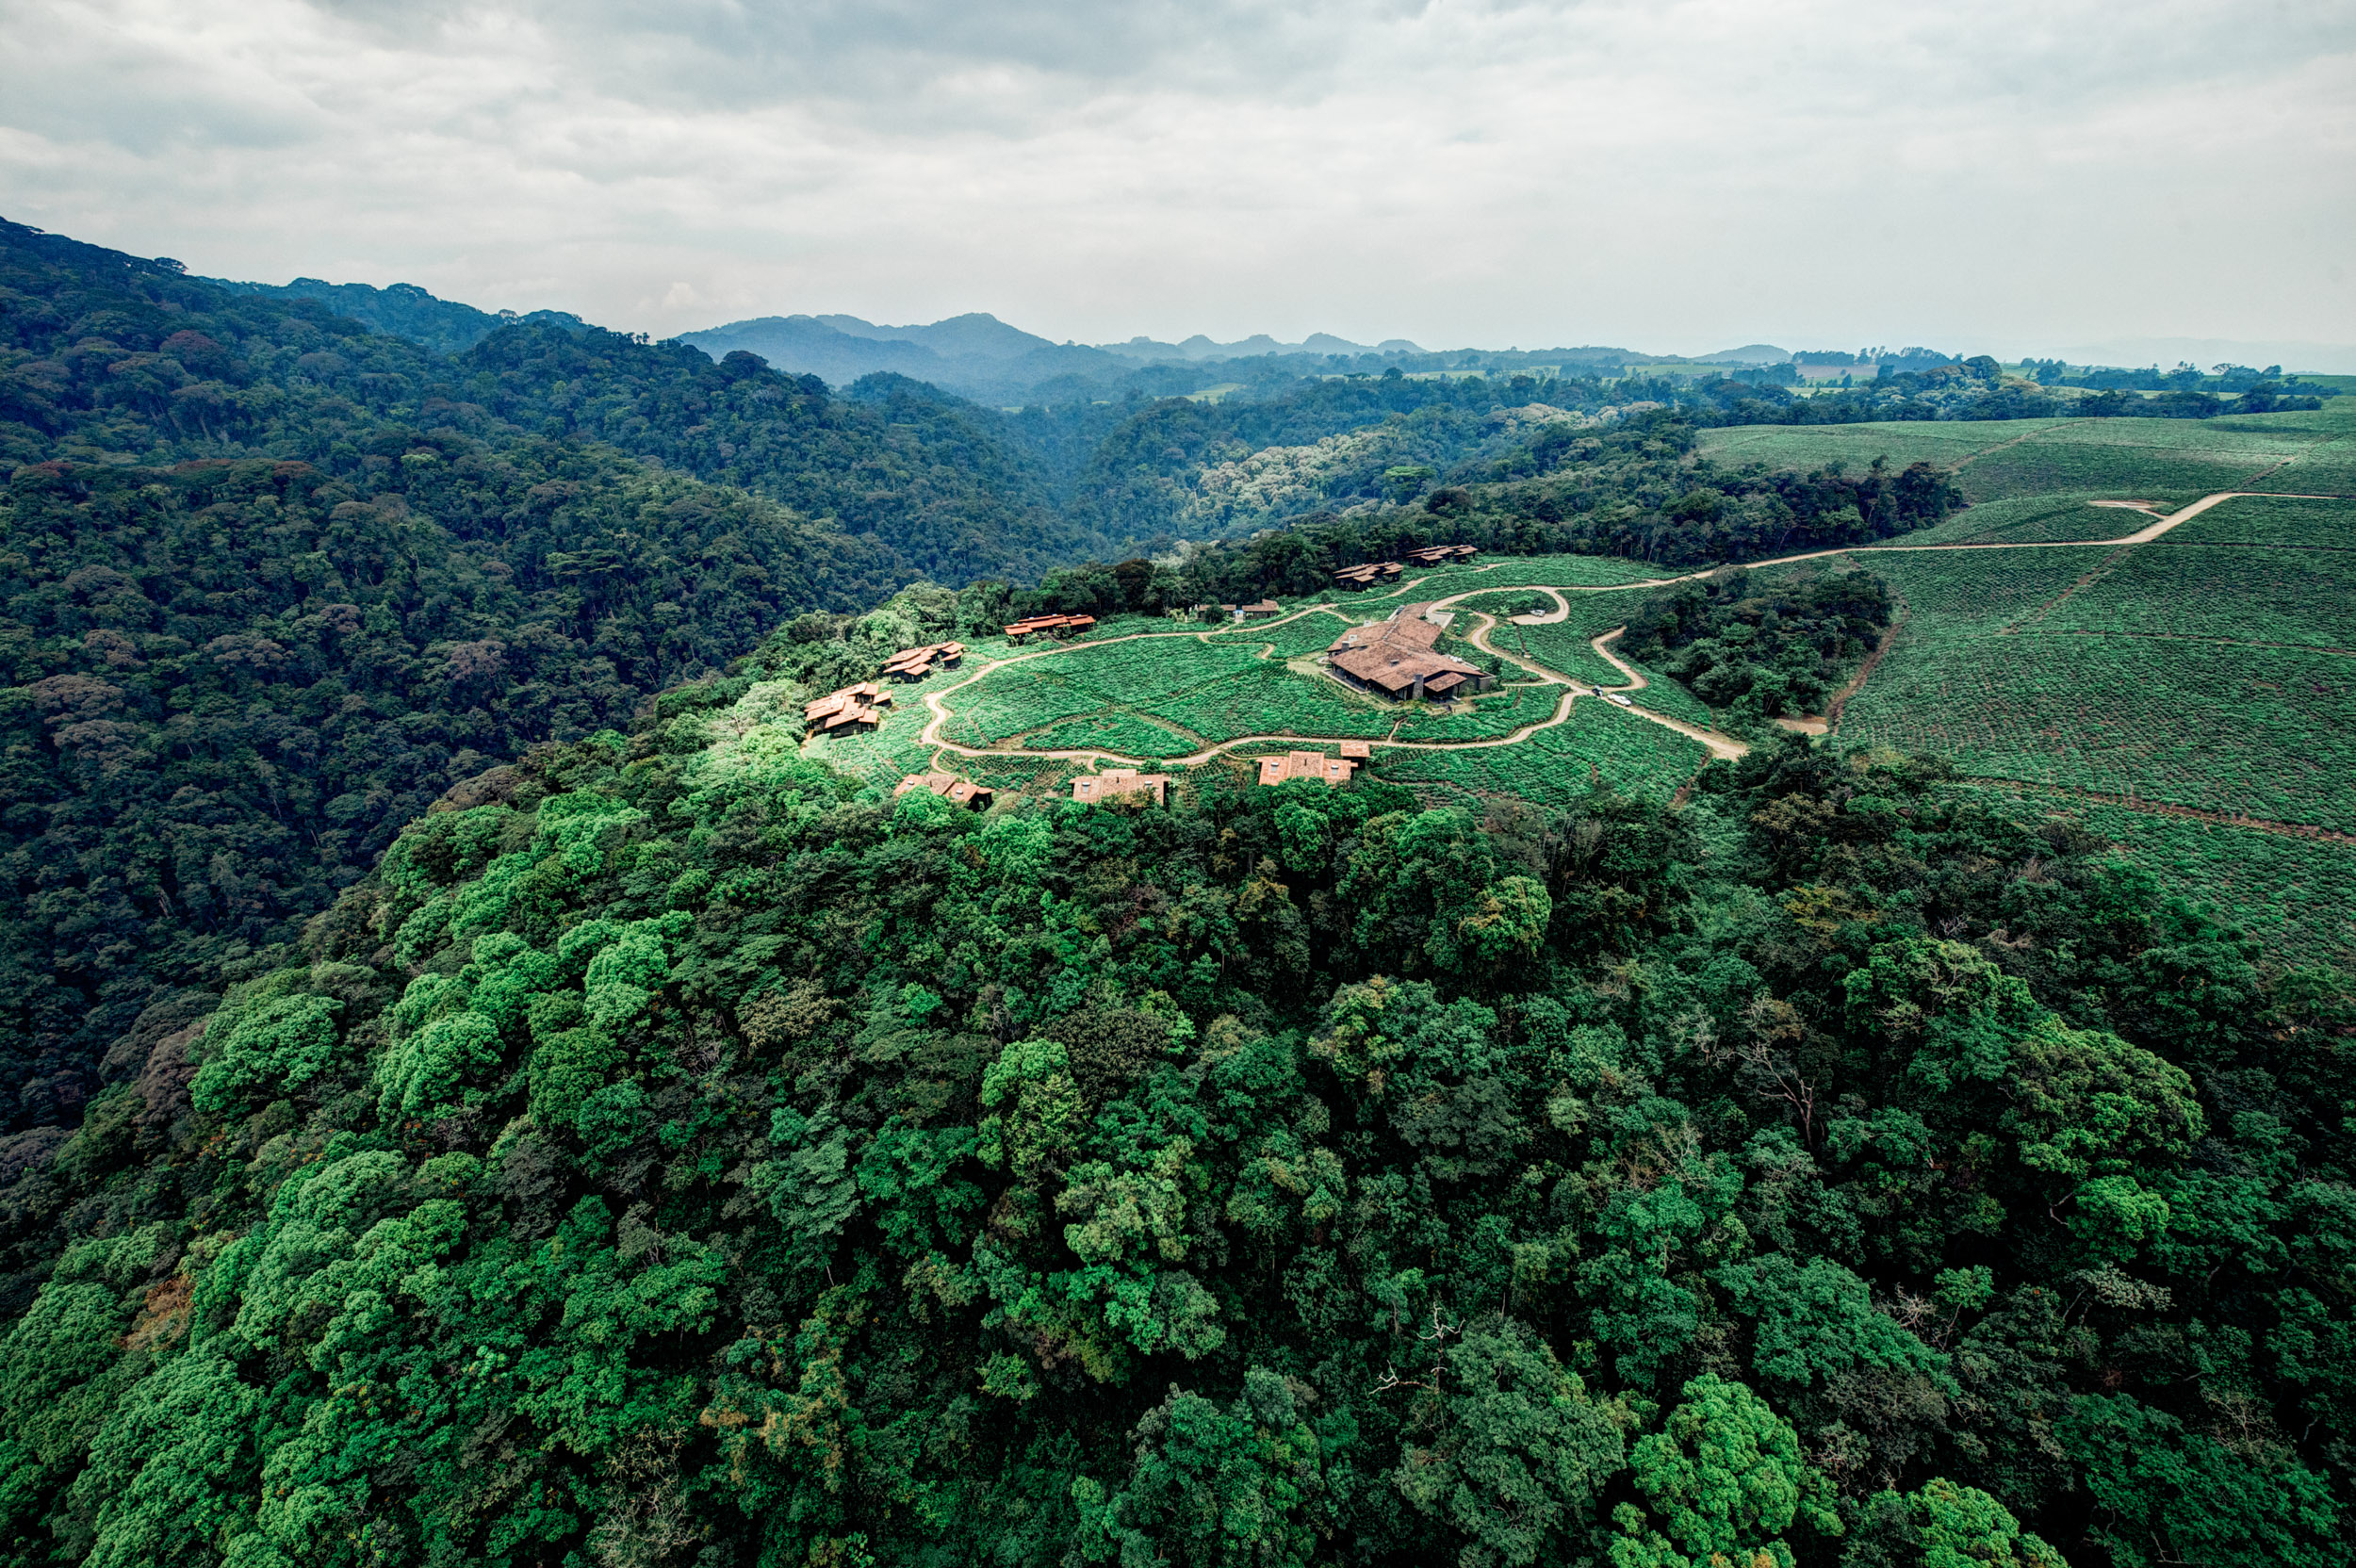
(2170, 460)
(1124, 734)
(1556, 766)
(2159, 460)
(2306, 599)
(2267, 732)
(1943, 442)
(2328, 524)
(2034, 519)
(2297, 895)
(1294, 638)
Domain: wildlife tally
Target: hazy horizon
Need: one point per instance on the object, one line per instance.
(1681, 178)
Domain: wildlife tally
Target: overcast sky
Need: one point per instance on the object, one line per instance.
(2002, 174)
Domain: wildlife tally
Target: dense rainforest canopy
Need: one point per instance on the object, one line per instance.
(472, 1093)
(683, 1155)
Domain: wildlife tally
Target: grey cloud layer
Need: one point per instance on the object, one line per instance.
(1449, 171)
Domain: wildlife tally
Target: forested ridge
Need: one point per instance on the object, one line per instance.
(685, 1156)
(473, 1093)
(276, 582)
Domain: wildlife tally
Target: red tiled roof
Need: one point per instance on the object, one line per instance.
(1304, 764)
(1406, 630)
(956, 791)
(1120, 781)
(1360, 750)
(1391, 654)
(1397, 672)
(1050, 622)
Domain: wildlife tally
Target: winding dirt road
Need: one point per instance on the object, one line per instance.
(1720, 745)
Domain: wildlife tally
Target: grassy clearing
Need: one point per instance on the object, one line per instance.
(1556, 766)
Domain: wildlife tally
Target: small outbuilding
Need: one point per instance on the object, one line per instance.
(917, 662)
(865, 695)
(1369, 574)
(1117, 782)
(849, 718)
(949, 787)
(1305, 765)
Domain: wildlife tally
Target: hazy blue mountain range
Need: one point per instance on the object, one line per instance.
(981, 356)
(1259, 343)
(975, 354)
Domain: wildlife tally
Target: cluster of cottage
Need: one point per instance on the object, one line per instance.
(1118, 782)
(1373, 572)
(1396, 658)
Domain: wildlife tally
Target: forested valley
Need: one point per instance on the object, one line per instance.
(276, 582)
(473, 1091)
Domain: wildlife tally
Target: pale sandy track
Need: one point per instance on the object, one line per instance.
(1719, 744)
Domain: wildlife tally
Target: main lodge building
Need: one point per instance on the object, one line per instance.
(1395, 659)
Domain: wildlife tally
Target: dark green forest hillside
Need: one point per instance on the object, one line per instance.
(276, 582)
(681, 1156)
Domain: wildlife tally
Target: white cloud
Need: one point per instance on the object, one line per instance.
(1685, 176)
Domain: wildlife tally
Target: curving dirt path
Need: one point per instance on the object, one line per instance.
(1720, 745)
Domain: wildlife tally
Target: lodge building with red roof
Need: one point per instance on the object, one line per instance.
(1397, 659)
(1116, 782)
(1305, 765)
